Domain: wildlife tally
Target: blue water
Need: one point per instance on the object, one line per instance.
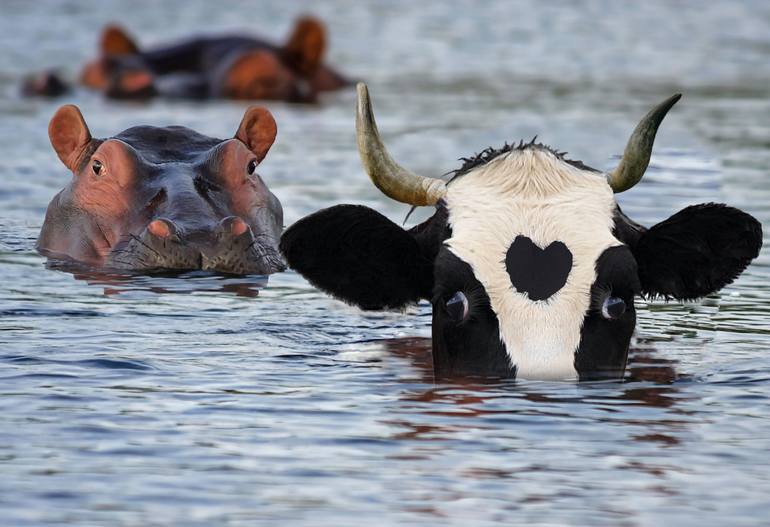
(205, 400)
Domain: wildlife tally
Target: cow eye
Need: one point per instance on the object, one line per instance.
(252, 166)
(97, 167)
(457, 307)
(613, 308)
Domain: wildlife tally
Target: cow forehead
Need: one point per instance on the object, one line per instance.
(531, 194)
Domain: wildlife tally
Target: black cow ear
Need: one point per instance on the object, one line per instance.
(697, 251)
(358, 255)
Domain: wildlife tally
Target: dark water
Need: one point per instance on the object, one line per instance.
(205, 400)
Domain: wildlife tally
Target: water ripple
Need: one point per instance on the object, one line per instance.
(200, 399)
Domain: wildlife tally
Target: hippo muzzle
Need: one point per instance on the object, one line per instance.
(155, 199)
(228, 247)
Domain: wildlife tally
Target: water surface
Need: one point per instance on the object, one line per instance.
(208, 400)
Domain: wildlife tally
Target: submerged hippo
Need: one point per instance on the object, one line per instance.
(230, 66)
(48, 83)
(155, 198)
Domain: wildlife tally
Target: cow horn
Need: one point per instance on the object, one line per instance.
(636, 157)
(393, 180)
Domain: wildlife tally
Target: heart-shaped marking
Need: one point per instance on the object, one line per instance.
(538, 273)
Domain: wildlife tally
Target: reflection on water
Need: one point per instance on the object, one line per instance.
(203, 399)
(649, 381)
(649, 409)
(116, 282)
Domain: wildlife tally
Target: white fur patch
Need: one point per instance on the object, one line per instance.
(533, 193)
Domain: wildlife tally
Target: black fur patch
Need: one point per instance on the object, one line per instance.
(538, 273)
(697, 251)
(473, 346)
(358, 255)
(603, 348)
(430, 233)
(625, 229)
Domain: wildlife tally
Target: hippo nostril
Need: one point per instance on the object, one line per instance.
(234, 225)
(162, 228)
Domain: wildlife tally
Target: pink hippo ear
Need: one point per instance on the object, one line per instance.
(116, 41)
(69, 135)
(306, 45)
(257, 130)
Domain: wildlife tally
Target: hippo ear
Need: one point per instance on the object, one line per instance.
(257, 130)
(306, 45)
(115, 41)
(69, 135)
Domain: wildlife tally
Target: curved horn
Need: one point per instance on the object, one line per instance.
(636, 157)
(393, 180)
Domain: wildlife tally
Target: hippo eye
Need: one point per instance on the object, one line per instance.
(97, 167)
(457, 307)
(252, 166)
(613, 308)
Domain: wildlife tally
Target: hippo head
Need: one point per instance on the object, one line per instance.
(114, 43)
(234, 67)
(120, 70)
(164, 198)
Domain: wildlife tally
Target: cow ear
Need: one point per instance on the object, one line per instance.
(69, 135)
(358, 255)
(697, 251)
(116, 41)
(306, 45)
(257, 130)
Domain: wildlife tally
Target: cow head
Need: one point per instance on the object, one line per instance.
(529, 263)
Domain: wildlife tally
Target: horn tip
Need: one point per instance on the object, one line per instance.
(670, 102)
(363, 105)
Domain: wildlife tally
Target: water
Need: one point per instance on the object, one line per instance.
(206, 400)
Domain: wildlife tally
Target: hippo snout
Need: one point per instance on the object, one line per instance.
(230, 246)
(234, 238)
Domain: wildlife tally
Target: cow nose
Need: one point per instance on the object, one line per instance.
(234, 225)
(162, 228)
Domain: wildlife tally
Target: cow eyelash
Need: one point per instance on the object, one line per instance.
(477, 302)
(475, 296)
(599, 293)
